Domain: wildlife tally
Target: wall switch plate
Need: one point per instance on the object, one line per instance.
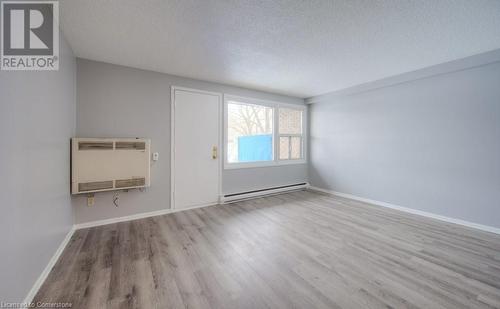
(156, 156)
(90, 201)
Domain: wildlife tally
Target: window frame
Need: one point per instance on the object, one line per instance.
(275, 106)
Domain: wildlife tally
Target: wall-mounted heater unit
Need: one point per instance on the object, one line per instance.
(105, 164)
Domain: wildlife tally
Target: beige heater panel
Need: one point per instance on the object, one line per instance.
(105, 164)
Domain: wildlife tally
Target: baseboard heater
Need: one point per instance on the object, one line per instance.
(234, 197)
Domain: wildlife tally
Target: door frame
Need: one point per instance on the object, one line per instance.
(173, 88)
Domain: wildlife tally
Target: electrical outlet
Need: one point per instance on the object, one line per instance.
(90, 201)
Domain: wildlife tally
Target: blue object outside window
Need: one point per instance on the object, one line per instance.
(253, 148)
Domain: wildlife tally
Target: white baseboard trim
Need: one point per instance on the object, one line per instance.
(478, 226)
(247, 196)
(135, 217)
(169, 211)
(47, 269)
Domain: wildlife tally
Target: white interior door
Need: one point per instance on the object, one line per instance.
(196, 164)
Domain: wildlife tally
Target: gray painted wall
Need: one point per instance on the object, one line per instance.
(431, 144)
(117, 101)
(37, 119)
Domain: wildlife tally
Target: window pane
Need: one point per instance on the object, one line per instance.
(290, 121)
(296, 147)
(290, 131)
(284, 148)
(250, 133)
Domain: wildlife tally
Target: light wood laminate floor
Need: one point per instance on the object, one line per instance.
(295, 250)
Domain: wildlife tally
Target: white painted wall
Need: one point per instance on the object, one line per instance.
(117, 101)
(431, 144)
(37, 120)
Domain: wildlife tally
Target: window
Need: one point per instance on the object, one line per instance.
(262, 133)
(249, 132)
(290, 134)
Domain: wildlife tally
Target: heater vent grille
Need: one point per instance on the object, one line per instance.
(130, 145)
(95, 145)
(134, 182)
(95, 185)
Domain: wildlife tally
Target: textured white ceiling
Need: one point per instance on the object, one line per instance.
(300, 48)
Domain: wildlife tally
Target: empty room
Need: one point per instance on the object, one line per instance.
(250, 154)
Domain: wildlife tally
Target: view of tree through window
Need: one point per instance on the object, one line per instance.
(250, 132)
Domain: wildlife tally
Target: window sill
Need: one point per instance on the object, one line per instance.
(232, 166)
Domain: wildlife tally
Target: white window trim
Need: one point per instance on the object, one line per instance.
(275, 105)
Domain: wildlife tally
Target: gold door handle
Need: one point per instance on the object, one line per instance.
(214, 152)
